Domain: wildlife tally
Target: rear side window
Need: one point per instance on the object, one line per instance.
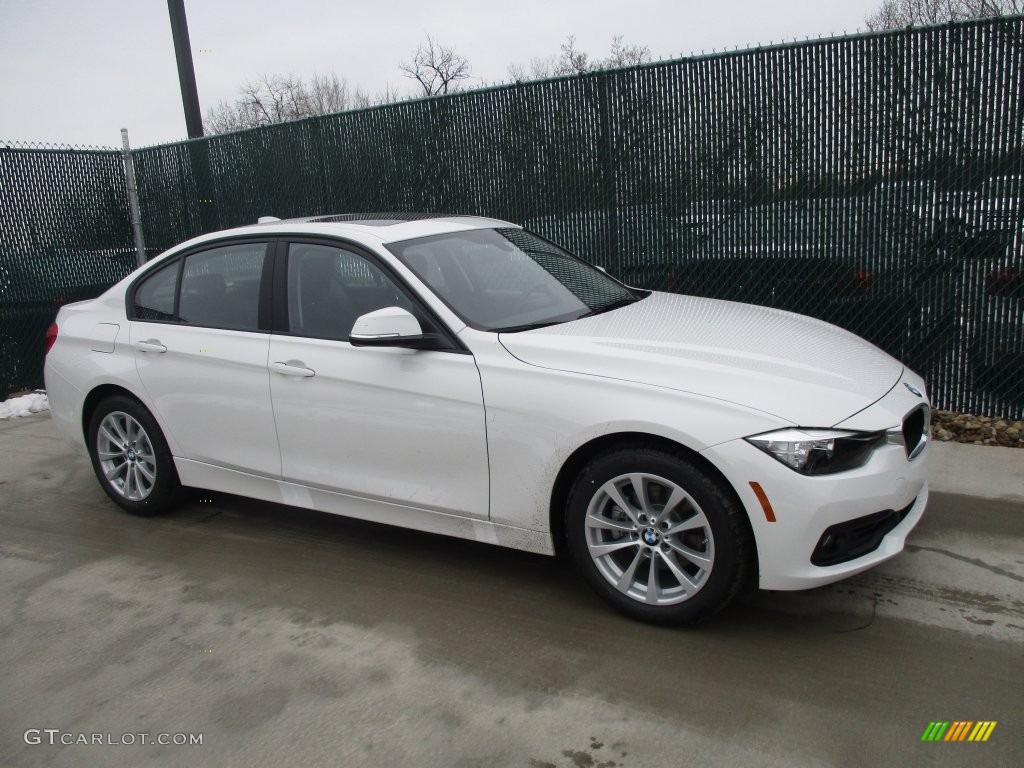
(220, 288)
(154, 298)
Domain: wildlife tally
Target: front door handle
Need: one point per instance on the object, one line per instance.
(292, 368)
(150, 345)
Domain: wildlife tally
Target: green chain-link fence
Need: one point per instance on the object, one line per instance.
(65, 235)
(873, 181)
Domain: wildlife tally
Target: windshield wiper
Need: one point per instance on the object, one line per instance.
(608, 307)
(559, 321)
(528, 326)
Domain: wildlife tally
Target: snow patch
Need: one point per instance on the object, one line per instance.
(25, 405)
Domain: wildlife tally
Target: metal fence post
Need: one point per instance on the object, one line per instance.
(133, 199)
(609, 182)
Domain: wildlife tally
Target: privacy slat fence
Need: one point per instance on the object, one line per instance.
(874, 181)
(65, 235)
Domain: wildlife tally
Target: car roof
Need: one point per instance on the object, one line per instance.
(381, 227)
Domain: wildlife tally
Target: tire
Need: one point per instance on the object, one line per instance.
(130, 457)
(688, 522)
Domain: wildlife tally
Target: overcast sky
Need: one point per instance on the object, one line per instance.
(76, 72)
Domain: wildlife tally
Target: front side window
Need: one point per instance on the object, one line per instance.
(329, 287)
(220, 288)
(510, 280)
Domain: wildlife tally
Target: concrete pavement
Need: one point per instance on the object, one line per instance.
(287, 637)
(980, 471)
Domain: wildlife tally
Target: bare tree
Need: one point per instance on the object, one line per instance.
(326, 94)
(893, 14)
(361, 99)
(573, 61)
(389, 95)
(626, 55)
(437, 68)
(537, 69)
(280, 98)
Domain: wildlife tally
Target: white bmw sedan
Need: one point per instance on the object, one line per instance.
(462, 376)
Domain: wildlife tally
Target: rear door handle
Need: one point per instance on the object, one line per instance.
(150, 345)
(292, 368)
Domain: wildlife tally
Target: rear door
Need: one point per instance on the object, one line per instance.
(392, 425)
(201, 352)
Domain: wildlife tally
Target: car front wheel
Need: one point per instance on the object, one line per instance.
(657, 537)
(131, 458)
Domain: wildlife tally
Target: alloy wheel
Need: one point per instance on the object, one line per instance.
(649, 539)
(126, 456)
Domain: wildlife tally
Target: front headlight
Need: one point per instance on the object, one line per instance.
(819, 451)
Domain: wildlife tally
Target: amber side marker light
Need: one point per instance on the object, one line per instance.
(769, 513)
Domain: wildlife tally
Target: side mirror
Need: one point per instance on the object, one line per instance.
(393, 327)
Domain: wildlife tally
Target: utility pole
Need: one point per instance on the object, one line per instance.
(186, 71)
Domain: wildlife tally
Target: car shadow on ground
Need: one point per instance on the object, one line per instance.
(388, 574)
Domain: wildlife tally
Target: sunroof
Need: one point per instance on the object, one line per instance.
(378, 219)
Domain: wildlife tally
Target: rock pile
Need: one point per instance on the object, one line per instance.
(982, 430)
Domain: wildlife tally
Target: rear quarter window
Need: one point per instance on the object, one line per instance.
(154, 296)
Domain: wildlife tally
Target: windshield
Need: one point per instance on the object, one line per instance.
(510, 280)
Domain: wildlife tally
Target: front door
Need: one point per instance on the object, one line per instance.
(393, 425)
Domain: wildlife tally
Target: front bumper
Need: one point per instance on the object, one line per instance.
(805, 507)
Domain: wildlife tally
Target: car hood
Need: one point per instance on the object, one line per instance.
(797, 368)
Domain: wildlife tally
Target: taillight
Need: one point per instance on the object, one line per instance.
(51, 336)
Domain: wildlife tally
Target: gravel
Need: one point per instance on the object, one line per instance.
(980, 430)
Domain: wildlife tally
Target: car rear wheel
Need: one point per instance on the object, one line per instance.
(131, 458)
(657, 537)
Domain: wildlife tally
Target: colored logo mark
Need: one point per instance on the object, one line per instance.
(959, 730)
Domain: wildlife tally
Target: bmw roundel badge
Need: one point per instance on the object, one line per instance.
(913, 389)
